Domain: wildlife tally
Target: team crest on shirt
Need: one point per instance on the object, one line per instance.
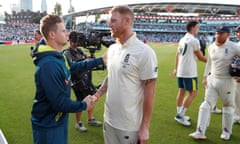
(226, 51)
(67, 80)
(126, 60)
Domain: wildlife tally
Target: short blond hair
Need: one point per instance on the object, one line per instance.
(123, 10)
(49, 23)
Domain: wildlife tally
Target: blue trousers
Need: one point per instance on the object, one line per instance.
(53, 135)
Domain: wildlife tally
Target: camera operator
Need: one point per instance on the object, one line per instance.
(81, 82)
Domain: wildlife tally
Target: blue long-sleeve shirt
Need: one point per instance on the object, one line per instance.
(52, 101)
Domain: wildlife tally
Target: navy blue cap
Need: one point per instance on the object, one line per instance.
(223, 29)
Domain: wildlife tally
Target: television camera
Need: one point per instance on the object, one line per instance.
(93, 41)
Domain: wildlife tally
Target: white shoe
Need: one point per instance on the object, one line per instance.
(236, 121)
(94, 122)
(80, 127)
(187, 118)
(216, 110)
(197, 135)
(182, 120)
(225, 135)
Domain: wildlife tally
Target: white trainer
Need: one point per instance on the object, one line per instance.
(197, 135)
(225, 135)
(94, 122)
(216, 110)
(187, 118)
(80, 127)
(236, 121)
(182, 120)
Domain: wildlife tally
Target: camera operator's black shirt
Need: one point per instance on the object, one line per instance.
(76, 55)
(81, 82)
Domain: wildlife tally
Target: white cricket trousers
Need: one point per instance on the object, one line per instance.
(237, 103)
(117, 136)
(225, 89)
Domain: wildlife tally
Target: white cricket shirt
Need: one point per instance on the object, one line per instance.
(128, 65)
(219, 59)
(187, 66)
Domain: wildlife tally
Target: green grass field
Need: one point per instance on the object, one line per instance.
(17, 93)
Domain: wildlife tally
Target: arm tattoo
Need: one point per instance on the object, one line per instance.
(103, 89)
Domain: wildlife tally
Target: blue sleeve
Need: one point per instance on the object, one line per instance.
(57, 89)
(85, 65)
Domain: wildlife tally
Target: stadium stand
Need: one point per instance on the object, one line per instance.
(17, 32)
(154, 22)
(170, 28)
(151, 28)
(149, 24)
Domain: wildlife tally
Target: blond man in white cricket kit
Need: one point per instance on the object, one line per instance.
(219, 83)
(130, 85)
(236, 118)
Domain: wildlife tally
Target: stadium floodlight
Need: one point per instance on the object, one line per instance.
(2, 138)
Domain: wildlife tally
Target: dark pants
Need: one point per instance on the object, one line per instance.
(53, 135)
(203, 51)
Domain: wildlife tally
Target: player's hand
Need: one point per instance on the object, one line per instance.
(174, 73)
(204, 82)
(143, 136)
(96, 96)
(237, 79)
(105, 58)
(90, 100)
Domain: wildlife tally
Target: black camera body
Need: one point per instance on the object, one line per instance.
(93, 40)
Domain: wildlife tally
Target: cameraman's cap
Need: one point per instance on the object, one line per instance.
(223, 29)
(237, 29)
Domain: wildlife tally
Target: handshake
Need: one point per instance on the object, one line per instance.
(237, 79)
(90, 100)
